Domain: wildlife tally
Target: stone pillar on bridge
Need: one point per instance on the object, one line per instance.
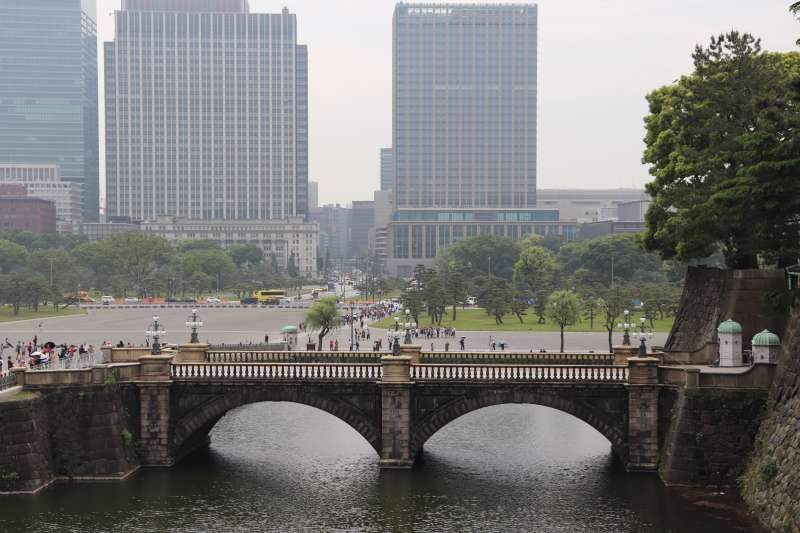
(642, 414)
(19, 375)
(154, 409)
(192, 353)
(622, 353)
(396, 412)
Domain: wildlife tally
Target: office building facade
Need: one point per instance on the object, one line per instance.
(464, 126)
(48, 90)
(44, 181)
(386, 169)
(18, 211)
(206, 112)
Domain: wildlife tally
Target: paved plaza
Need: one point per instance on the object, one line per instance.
(236, 325)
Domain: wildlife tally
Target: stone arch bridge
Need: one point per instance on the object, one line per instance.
(395, 402)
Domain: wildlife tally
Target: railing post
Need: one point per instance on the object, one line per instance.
(692, 378)
(642, 414)
(396, 412)
(622, 353)
(192, 353)
(19, 375)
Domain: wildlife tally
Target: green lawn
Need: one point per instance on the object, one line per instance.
(7, 313)
(478, 320)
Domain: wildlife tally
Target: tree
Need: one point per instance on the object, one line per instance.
(413, 300)
(563, 308)
(483, 255)
(273, 263)
(534, 269)
(591, 307)
(291, 267)
(324, 317)
(435, 296)
(519, 303)
(245, 255)
(455, 285)
(496, 299)
(795, 9)
(592, 261)
(722, 144)
(12, 255)
(613, 303)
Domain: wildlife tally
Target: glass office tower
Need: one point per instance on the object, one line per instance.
(464, 124)
(48, 90)
(206, 112)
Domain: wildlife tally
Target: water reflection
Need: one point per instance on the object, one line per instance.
(286, 467)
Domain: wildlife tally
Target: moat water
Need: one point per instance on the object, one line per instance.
(286, 467)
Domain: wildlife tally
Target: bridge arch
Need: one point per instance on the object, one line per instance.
(612, 425)
(191, 429)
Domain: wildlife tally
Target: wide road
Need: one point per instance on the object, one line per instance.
(252, 324)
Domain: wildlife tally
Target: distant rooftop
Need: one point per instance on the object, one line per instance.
(197, 6)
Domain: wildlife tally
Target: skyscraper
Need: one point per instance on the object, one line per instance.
(464, 125)
(48, 90)
(386, 169)
(206, 112)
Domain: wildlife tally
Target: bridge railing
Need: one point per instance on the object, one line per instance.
(275, 371)
(266, 356)
(520, 358)
(526, 373)
(493, 357)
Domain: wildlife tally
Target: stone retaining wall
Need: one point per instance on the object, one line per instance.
(708, 434)
(80, 433)
(771, 483)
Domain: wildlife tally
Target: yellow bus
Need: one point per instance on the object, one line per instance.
(269, 297)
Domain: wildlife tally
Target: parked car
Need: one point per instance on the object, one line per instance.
(249, 301)
(213, 300)
(107, 300)
(131, 300)
(285, 301)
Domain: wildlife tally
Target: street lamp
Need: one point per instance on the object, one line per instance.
(643, 335)
(626, 338)
(194, 324)
(156, 332)
(407, 325)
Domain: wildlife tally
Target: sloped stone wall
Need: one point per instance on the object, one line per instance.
(712, 295)
(771, 483)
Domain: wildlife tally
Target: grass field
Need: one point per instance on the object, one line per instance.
(7, 313)
(478, 320)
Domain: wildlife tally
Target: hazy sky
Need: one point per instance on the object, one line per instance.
(597, 60)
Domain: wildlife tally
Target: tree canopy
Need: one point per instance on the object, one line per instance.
(724, 149)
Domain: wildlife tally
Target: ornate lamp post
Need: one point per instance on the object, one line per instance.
(407, 325)
(194, 324)
(156, 331)
(626, 338)
(643, 335)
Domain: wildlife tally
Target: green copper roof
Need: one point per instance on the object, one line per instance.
(729, 326)
(766, 338)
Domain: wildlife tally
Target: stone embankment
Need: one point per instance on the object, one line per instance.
(67, 434)
(771, 482)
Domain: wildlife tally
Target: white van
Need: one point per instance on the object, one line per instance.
(107, 300)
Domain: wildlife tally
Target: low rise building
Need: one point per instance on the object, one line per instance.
(277, 238)
(592, 230)
(44, 181)
(18, 211)
(587, 205)
(97, 231)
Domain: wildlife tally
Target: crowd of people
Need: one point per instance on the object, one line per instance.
(36, 354)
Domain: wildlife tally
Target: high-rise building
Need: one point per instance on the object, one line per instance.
(362, 220)
(48, 90)
(463, 126)
(313, 196)
(206, 112)
(386, 169)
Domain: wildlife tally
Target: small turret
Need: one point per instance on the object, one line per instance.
(766, 346)
(730, 343)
